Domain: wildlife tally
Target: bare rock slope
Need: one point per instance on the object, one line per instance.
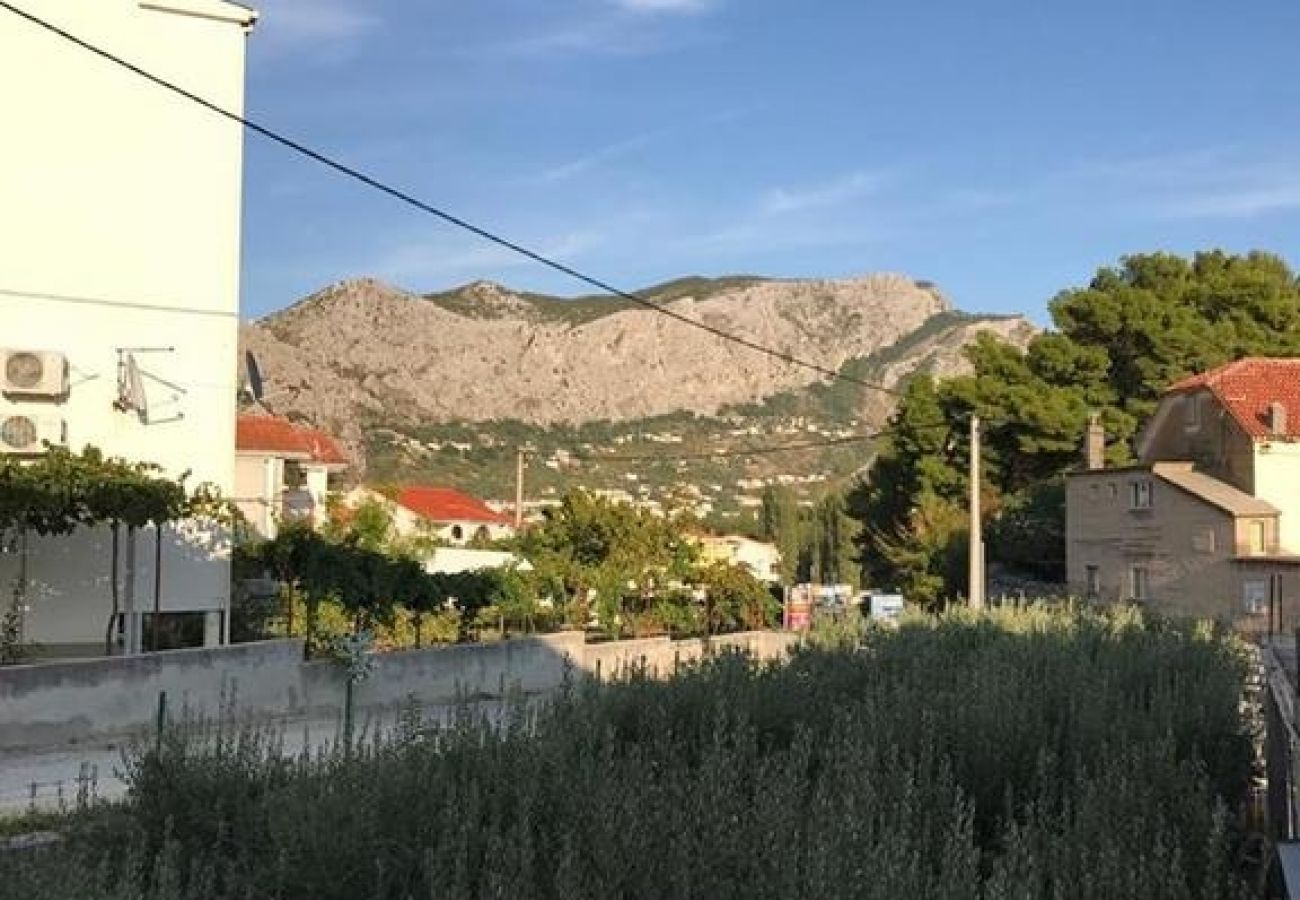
(364, 351)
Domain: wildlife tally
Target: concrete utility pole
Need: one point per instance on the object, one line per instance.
(520, 454)
(976, 592)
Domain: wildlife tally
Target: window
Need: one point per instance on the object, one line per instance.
(1139, 495)
(1140, 583)
(1093, 582)
(457, 533)
(1114, 490)
(1254, 596)
(1192, 413)
(1258, 537)
(1205, 541)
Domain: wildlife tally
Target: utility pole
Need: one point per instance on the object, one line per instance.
(520, 454)
(976, 592)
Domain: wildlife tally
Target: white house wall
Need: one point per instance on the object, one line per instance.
(120, 223)
(1277, 480)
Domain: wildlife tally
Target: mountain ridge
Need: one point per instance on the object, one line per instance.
(363, 353)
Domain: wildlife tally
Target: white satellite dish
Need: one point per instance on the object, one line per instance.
(135, 396)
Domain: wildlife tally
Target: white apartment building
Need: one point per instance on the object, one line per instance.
(120, 208)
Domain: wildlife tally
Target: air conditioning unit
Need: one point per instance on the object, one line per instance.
(24, 433)
(33, 373)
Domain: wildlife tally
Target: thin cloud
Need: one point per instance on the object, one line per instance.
(433, 262)
(608, 37)
(1245, 202)
(286, 23)
(600, 156)
(1208, 183)
(822, 196)
(610, 152)
(667, 6)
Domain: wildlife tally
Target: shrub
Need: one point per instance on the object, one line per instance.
(1020, 754)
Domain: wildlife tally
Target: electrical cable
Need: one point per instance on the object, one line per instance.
(430, 209)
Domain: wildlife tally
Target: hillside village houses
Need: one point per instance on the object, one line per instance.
(1207, 522)
(119, 298)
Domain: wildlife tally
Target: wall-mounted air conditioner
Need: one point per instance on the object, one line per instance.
(25, 433)
(33, 373)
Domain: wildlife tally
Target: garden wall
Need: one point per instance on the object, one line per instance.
(64, 703)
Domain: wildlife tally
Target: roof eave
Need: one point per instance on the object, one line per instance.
(217, 10)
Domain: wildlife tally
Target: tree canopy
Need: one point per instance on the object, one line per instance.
(61, 491)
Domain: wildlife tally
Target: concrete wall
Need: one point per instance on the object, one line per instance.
(121, 229)
(58, 703)
(47, 705)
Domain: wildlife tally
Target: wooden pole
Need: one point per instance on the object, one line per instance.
(519, 488)
(976, 573)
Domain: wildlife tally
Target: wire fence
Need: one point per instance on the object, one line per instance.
(61, 795)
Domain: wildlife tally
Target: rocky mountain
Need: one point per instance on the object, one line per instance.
(363, 354)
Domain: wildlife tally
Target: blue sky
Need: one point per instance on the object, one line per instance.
(1004, 149)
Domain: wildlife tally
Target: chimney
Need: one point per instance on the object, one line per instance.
(1277, 419)
(1094, 445)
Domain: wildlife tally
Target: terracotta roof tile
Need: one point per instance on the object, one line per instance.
(441, 504)
(1247, 387)
(267, 434)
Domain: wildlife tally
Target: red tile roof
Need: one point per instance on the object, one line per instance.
(440, 504)
(266, 434)
(1247, 388)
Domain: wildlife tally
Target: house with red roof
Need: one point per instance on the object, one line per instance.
(455, 517)
(1207, 522)
(283, 471)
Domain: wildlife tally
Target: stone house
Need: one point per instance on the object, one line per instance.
(1207, 522)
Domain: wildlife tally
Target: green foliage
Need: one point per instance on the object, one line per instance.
(817, 543)
(780, 523)
(736, 600)
(60, 491)
(1119, 343)
(1024, 754)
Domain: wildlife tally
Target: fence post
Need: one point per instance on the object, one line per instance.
(161, 723)
(1296, 674)
(347, 715)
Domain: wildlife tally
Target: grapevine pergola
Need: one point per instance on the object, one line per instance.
(62, 491)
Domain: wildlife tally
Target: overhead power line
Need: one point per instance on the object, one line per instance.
(430, 209)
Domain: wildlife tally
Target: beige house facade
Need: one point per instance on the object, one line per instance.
(284, 473)
(1207, 523)
(760, 559)
(119, 292)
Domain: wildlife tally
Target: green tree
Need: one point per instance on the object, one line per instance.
(736, 599)
(780, 523)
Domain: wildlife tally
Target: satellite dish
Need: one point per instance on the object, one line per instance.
(135, 398)
(254, 385)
